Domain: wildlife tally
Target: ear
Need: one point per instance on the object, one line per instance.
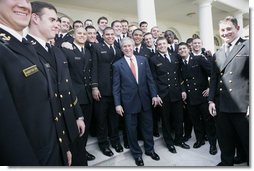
(238, 28)
(35, 18)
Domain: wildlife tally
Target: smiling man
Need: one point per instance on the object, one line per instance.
(229, 91)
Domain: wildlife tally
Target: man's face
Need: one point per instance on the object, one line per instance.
(162, 46)
(80, 35)
(46, 23)
(109, 36)
(15, 14)
(65, 24)
(228, 32)
(124, 27)
(127, 48)
(183, 51)
(103, 24)
(196, 45)
(155, 32)
(131, 29)
(77, 25)
(91, 35)
(117, 28)
(143, 27)
(149, 40)
(169, 36)
(137, 37)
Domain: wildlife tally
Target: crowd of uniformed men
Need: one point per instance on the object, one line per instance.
(58, 87)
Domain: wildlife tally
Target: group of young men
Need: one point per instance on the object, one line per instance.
(53, 83)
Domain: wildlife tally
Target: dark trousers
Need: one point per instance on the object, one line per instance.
(146, 127)
(187, 122)
(156, 119)
(87, 113)
(107, 122)
(172, 112)
(203, 122)
(229, 126)
(78, 152)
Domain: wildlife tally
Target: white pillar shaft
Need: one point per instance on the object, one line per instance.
(239, 17)
(206, 24)
(146, 12)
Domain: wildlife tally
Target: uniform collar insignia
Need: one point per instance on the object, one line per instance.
(33, 42)
(4, 37)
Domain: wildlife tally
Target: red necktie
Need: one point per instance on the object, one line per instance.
(132, 66)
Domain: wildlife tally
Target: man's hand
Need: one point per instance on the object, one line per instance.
(67, 45)
(119, 110)
(160, 102)
(81, 126)
(69, 157)
(184, 96)
(212, 109)
(96, 94)
(156, 101)
(205, 93)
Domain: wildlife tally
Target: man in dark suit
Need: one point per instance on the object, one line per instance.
(64, 103)
(170, 36)
(63, 35)
(140, 49)
(31, 131)
(195, 72)
(102, 24)
(229, 91)
(80, 66)
(133, 90)
(166, 72)
(104, 55)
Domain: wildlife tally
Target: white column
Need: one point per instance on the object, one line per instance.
(239, 16)
(146, 12)
(206, 24)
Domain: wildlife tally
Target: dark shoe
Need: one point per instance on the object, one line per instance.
(220, 164)
(89, 156)
(156, 134)
(118, 148)
(239, 160)
(186, 138)
(172, 149)
(183, 145)
(139, 161)
(126, 146)
(107, 152)
(198, 144)
(213, 149)
(153, 155)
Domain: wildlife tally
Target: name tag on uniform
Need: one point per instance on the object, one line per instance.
(77, 58)
(159, 64)
(103, 52)
(194, 66)
(30, 70)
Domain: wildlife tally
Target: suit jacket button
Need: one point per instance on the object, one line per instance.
(70, 105)
(55, 95)
(60, 140)
(69, 93)
(220, 89)
(230, 73)
(220, 81)
(230, 90)
(61, 96)
(63, 109)
(230, 81)
(56, 119)
(67, 80)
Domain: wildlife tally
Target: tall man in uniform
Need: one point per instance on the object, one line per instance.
(229, 91)
(31, 132)
(80, 66)
(105, 54)
(195, 72)
(166, 72)
(64, 103)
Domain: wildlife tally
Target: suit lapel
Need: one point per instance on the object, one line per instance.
(238, 46)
